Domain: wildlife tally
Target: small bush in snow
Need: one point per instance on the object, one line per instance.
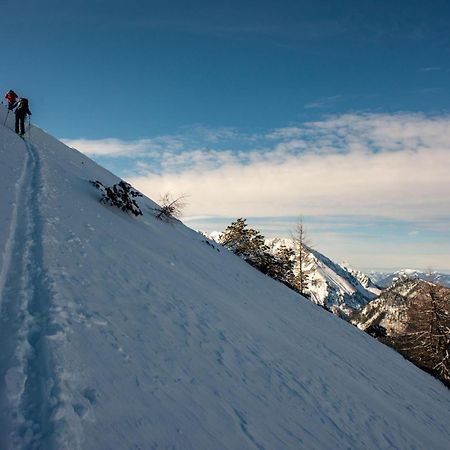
(121, 195)
(170, 207)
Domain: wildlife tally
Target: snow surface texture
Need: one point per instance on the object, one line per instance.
(120, 332)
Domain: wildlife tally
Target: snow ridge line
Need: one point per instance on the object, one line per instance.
(29, 386)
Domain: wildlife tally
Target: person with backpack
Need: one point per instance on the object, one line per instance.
(11, 97)
(21, 112)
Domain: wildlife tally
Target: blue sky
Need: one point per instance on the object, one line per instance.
(172, 93)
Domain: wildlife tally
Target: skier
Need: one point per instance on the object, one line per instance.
(11, 96)
(21, 111)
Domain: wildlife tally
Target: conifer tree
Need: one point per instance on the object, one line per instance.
(243, 241)
(250, 245)
(285, 260)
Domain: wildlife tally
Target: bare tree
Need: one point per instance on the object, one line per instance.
(171, 207)
(427, 340)
(302, 258)
(439, 330)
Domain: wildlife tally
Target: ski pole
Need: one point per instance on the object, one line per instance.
(6, 118)
(29, 127)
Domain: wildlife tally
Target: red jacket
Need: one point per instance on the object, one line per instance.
(11, 96)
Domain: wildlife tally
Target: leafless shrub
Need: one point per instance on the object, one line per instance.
(170, 207)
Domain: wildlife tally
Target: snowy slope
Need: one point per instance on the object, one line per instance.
(120, 332)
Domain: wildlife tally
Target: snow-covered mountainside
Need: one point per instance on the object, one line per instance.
(337, 287)
(384, 279)
(122, 332)
(412, 316)
(363, 278)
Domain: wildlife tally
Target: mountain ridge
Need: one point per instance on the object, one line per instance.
(385, 279)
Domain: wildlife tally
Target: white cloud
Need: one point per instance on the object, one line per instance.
(386, 165)
(404, 185)
(116, 147)
(392, 166)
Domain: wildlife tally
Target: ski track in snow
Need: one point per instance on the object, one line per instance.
(11, 232)
(27, 391)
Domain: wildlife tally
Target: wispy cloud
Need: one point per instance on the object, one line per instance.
(133, 149)
(430, 69)
(324, 102)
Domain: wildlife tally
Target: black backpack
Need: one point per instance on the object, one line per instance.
(22, 104)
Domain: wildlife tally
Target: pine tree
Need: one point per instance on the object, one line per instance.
(241, 240)
(249, 244)
(285, 260)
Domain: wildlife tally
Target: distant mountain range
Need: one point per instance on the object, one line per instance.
(385, 279)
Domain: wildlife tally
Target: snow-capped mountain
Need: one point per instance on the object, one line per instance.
(412, 316)
(122, 332)
(363, 278)
(338, 287)
(385, 279)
